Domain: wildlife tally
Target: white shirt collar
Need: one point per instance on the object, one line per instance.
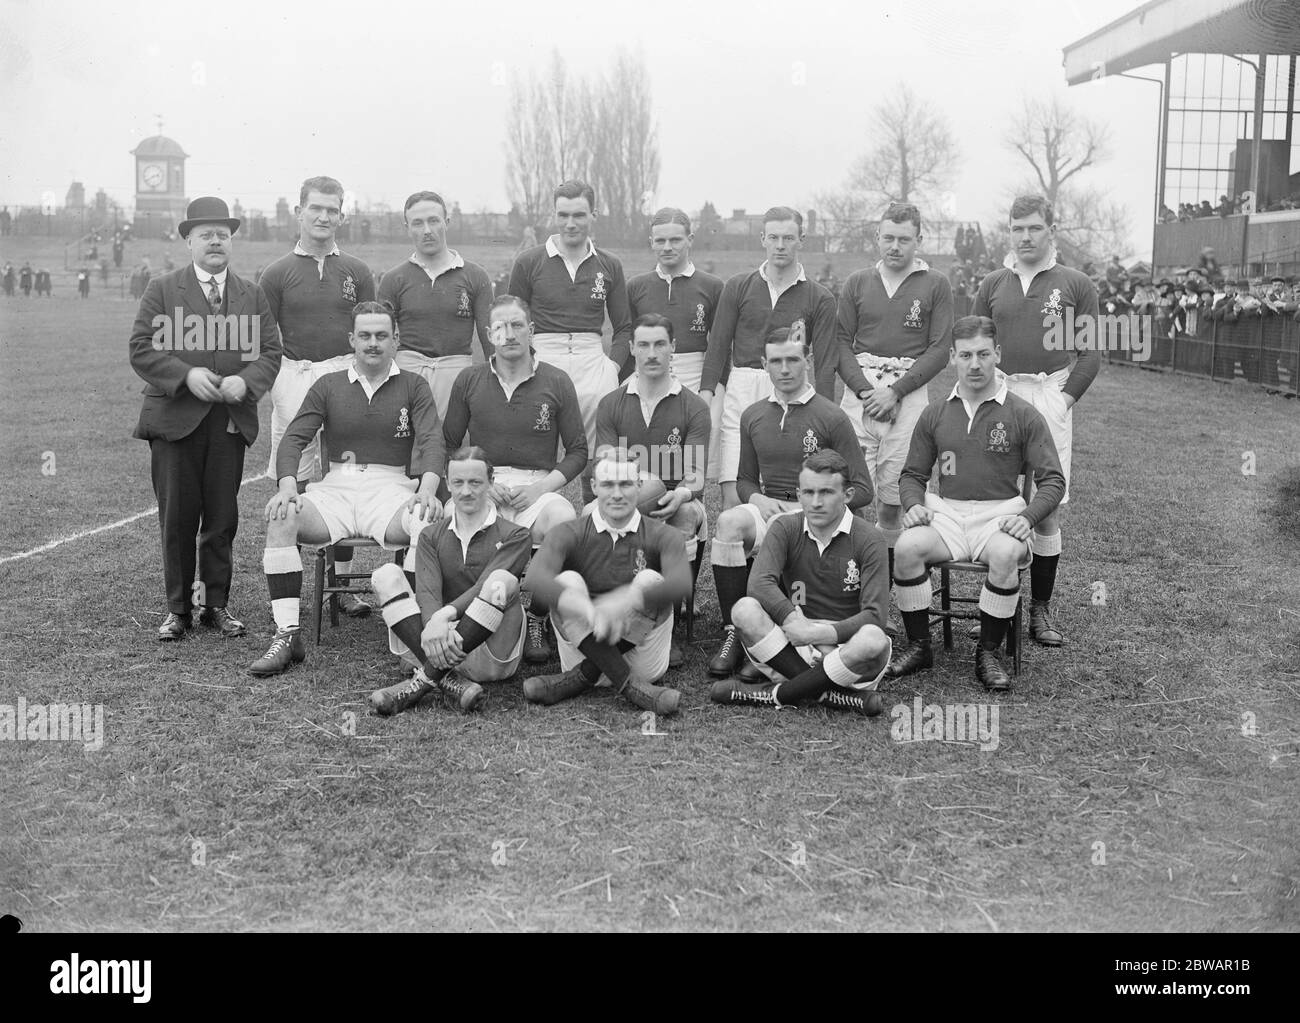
(688, 272)
(845, 526)
(298, 250)
(1000, 396)
(1013, 264)
(674, 388)
(355, 377)
(455, 523)
(802, 398)
(554, 250)
(204, 276)
(762, 272)
(457, 261)
(917, 264)
(615, 534)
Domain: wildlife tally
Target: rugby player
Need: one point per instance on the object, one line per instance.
(464, 624)
(519, 410)
(441, 300)
(385, 422)
(312, 292)
(821, 574)
(984, 438)
(751, 306)
(776, 434)
(610, 581)
(893, 333)
(1022, 300)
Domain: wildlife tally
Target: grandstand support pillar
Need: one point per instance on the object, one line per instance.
(1258, 133)
(1290, 101)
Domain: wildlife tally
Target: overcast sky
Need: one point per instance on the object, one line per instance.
(392, 96)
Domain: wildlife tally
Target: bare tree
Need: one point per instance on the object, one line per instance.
(1057, 143)
(624, 143)
(529, 151)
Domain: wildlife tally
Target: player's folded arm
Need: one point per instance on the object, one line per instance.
(259, 375)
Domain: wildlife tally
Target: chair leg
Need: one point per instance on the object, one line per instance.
(1013, 638)
(689, 614)
(333, 582)
(945, 602)
(319, 595)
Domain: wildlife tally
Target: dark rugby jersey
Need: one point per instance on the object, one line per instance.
(847, 584)
(313, 306)
(445, 575)
(690, 302)
(915, 324)
(439, 317)
(523, 430)
(673, 445)
(774, 443)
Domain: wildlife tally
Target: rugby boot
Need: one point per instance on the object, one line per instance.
(990, 672)
(550, 689)
(174, 627)
(467, 696)
(286, 649)
(397, 698)
(353, 606)
(220, 618)
(732, 690)
(915, 657)
(868, 703)
(724, 662)
(676, 658)
(750, 672)
(647, 696)
(537, 649)
(1041, 630)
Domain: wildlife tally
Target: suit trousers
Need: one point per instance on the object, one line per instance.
(196, 480)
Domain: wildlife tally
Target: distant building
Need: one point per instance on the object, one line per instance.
(159, 186)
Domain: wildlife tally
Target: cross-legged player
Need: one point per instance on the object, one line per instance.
(373, 415)
(464, 624)
(818, 595)
(983, 438)
(1020, 299)
(776, 434)
(751, 306)
(610, 581)
(894, 326)
(312, 292)
(520, 410)
(664, 426)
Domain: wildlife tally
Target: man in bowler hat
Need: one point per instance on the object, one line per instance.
(207, 347)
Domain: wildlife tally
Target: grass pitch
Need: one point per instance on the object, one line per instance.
(1144, 776)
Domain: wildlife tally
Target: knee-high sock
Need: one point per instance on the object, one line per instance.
(402, 614)
(730, 574)
(829, 671)
(776, 652)
(1042, 571)
(283, 568)
(604, 659)
(891, 538)
(913, 597)
(997, 605)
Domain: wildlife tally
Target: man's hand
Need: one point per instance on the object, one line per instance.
(441, 642)
(767, 506)
(1017, 527)
(233, 389)
(204, 384)
(881, 403)
(670, 503)
(526, 497)
(284, 498)
(611, 614)
(801, 631)
(502, 496)
(917, 515)
(425, 506)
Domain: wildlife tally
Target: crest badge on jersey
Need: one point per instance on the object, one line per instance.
(349, 289)
(403, 424)
(913, 319)
(697, 324)
(1052, 307)
(852, 578)
(998, 439)
(598, 287)
(674, 440)
(543, 424)
(810, 445)
(462, 308)
(638, 563)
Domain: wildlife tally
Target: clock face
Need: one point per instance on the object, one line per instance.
(154, 176)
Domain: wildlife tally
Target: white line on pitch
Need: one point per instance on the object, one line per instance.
(100, 529)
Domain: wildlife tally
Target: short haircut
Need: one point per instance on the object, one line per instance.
(828, 460)
(1028, 205)
(973, 326)
(779, 213)
(374, 308)
(472, 453)
(654, 320)
(502, 300)
(328, 186)
(415, 197)
(795, 332)
(902, 213)
(574, 189)
(671, 215)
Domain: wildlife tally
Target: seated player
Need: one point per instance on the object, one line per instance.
(520, 410)
(665, 427)
(776, 434)
(610, 581)
(984, 438)
(467, 570)
(372, 414)
(823, 574)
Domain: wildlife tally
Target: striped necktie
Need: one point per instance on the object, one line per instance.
(214, 295)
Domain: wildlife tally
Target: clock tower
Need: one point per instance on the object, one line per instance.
(159, 186)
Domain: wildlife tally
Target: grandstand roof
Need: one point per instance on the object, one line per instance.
(159, 145)
(1157, 30)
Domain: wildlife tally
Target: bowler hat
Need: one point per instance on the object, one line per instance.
(207, 209)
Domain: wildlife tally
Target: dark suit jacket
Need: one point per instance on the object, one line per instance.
(170, 411)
